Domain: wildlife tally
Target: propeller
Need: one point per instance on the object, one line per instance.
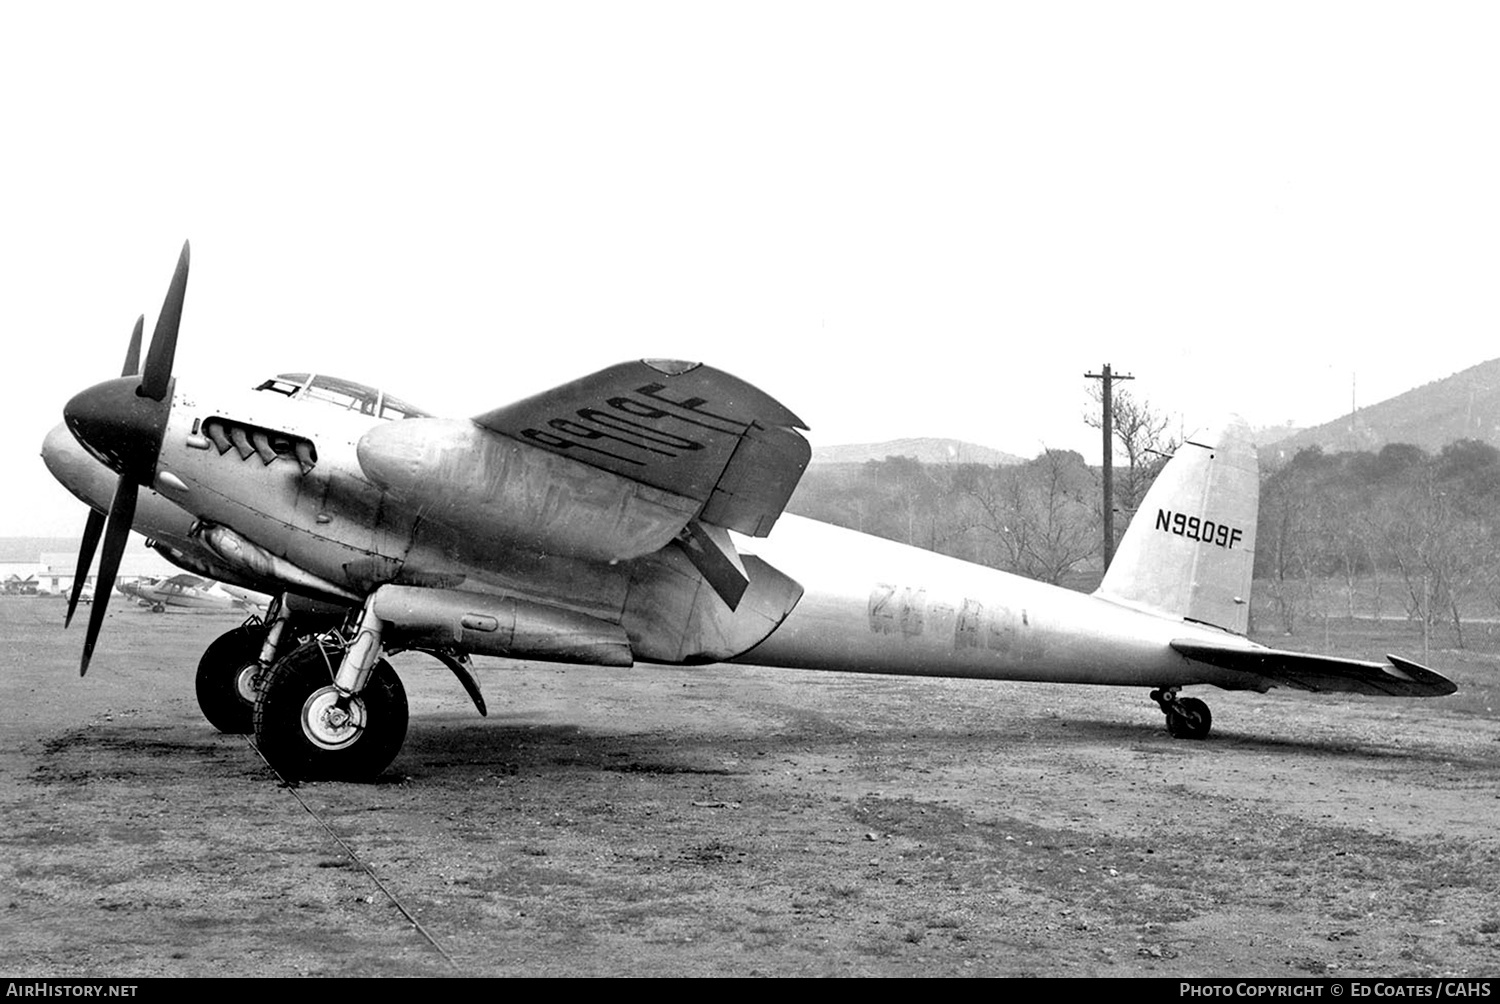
(121, 422)
(94, 527)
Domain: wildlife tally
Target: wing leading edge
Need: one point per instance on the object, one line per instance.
(1322, 674)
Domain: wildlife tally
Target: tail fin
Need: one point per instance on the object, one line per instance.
(1190, 549)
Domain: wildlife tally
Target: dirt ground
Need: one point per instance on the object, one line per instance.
(737, 821)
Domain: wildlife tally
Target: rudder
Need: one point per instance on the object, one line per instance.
(1190, 550)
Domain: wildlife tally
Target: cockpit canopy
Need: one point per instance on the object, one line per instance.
(342, 393)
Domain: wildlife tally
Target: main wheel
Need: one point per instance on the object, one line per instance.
(1190, 719)
(306, 729)
(226, 679)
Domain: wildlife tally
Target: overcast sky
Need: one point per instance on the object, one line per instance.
(916, 219)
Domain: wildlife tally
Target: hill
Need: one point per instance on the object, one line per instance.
(928, 451)
(1465, 405)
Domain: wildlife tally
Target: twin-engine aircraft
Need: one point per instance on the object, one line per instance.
(634, 515)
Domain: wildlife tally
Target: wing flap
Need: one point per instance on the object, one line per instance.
(758, 480)
(1321, 673)
(680, 427)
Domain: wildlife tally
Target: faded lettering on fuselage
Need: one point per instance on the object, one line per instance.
(637, 428)
(996, 628)
(969, 631)
(1205, 531)
(972, 625)
(897, 610)
(980, 627)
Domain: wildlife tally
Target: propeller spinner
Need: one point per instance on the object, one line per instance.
(121, 422)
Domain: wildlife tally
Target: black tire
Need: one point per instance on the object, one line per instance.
(305, 731)
(1190, 719)
(158, 608)
(225, 680)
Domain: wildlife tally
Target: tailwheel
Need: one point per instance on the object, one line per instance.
(305, 728)
(1187, 717)
(226, 679)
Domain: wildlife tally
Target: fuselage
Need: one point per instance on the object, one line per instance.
(281, 479)
(877, 606)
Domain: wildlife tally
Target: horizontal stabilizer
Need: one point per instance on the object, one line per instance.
(1322, 674)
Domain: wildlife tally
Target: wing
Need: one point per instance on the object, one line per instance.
(612, 467)
(1322, 674)
(182, 581)
(681, 427)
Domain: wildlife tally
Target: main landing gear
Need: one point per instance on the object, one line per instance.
(306, 726)
(1187, 717)
(227, 672)
(333, 708)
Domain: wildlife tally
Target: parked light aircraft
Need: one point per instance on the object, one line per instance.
(634, 515)
(186, 591)
(247, 599)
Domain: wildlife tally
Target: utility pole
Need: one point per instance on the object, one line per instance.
(1107, 378)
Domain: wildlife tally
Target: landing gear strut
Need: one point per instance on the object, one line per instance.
(1187, 717)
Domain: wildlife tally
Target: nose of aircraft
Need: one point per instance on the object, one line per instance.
(75, 469)
(119, 426)
(60, 453)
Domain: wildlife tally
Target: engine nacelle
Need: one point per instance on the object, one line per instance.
(506, 492)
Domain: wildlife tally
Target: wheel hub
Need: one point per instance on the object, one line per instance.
(244, 682)
(331, 721)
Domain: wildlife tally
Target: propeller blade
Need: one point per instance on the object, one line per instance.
(116, 535)
(157, 376)
(125, 432)
(91, 531)
(133, 353)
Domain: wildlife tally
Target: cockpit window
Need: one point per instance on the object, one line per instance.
(397, 409)
(344, 394)
(288, 384)
(353, 396)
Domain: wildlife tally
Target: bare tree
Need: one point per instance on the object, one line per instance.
(1284, 544)
(1431, 541)
(1141, 432)
(1035, 517)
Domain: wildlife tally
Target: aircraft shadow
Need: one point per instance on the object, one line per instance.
(488, 748)
(469, 747)
(1228, 740)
